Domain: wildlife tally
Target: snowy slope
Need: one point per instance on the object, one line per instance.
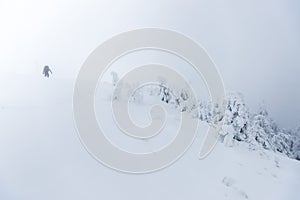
(42, 158)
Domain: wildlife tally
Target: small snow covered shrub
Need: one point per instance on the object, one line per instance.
(237, 116)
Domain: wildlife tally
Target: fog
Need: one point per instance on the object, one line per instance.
(255, 44)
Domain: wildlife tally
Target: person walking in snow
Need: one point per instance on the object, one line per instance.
(46, 71)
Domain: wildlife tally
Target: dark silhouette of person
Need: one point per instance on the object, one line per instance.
(46, 71)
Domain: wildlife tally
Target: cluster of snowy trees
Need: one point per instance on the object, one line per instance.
(258, 130)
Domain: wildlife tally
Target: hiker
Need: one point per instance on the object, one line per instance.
(46, 71)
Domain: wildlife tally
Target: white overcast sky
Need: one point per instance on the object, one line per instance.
(255, 44)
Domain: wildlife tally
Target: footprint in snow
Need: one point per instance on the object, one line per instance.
(230, 182)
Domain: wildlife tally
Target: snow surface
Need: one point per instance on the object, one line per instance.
(42, 158)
